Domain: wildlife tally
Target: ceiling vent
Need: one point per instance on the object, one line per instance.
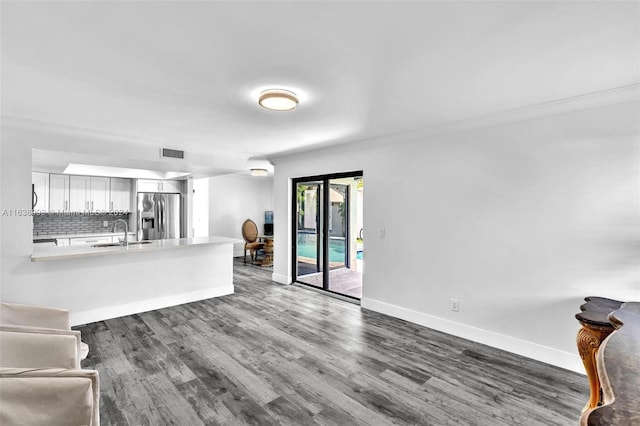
(171, 153)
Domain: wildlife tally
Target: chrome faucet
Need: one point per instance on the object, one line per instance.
(126, 230)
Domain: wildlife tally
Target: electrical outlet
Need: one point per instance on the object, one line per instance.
(454, 305)
(105, 224)
(381, 233)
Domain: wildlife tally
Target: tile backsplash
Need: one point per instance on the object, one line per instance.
(70, 223)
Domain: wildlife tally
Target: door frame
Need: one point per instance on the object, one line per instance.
(324, 231)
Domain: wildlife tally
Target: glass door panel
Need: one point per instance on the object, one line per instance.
(344, 275)
(309, 241)
(338, 213)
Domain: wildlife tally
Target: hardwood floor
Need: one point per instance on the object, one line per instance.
(273, 354)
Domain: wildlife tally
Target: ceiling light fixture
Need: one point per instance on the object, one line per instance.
(259, 172)
(278, 100)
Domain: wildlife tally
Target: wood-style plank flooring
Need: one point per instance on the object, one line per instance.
(273, 354)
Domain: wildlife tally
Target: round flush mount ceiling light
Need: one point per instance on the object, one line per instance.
(278, 100)
(259, 172)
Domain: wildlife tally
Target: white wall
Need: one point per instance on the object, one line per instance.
(200, 211)
(233, 199)
(518, 221)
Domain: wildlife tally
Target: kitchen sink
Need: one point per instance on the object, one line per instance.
(132, 243)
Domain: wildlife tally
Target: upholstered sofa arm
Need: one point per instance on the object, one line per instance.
(34, 316)
(29, 347)
(52, 397)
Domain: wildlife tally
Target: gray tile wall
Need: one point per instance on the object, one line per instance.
(73, 223)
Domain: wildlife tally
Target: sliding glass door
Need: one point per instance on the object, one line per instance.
(309, 242)
(327, 233)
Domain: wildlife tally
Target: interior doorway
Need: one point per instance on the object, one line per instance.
(328, 249)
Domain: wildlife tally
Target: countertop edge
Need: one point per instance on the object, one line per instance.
(76, 252)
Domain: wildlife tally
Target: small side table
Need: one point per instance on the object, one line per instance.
(594, 319)
(268, 250)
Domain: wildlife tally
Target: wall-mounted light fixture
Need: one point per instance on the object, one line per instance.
(278, 99)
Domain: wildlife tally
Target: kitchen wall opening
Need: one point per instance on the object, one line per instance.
(74, 209)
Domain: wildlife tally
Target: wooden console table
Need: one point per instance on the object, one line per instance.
(594, 319)
(617, 365)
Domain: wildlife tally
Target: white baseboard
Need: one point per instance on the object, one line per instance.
(527, 349)
(101, 314)
(280, 279)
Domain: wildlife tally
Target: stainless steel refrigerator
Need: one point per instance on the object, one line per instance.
(158, 216)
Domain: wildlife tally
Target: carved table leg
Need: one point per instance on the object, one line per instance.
(589, 340)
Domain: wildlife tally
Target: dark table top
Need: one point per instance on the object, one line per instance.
(596, 310)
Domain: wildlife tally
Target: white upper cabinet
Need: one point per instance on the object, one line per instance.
(58, 193)
(120, 195)
(148, 185)
(100, 193)
(89, 193)
(40, 196)
(79, 187)
(63, 193)
(171, 186)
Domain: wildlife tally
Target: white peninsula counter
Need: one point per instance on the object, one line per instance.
(98, 283)
(61, 253)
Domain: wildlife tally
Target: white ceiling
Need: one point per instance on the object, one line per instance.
(186, 74)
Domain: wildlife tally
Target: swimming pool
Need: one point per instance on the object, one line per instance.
(307, 248)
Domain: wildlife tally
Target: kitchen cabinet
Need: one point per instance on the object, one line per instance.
(170, 186)
(89, 241)
(40, 196)
(100, 193)
(89, 193)
(120, 195)
(58, 193)
(79, 192)
(94, 239)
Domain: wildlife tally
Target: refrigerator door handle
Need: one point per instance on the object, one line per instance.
(159, 213)
(164, 217)
(159, 224)
(140, 231)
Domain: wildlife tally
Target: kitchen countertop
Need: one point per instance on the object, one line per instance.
(60, 253)
(80, 235)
